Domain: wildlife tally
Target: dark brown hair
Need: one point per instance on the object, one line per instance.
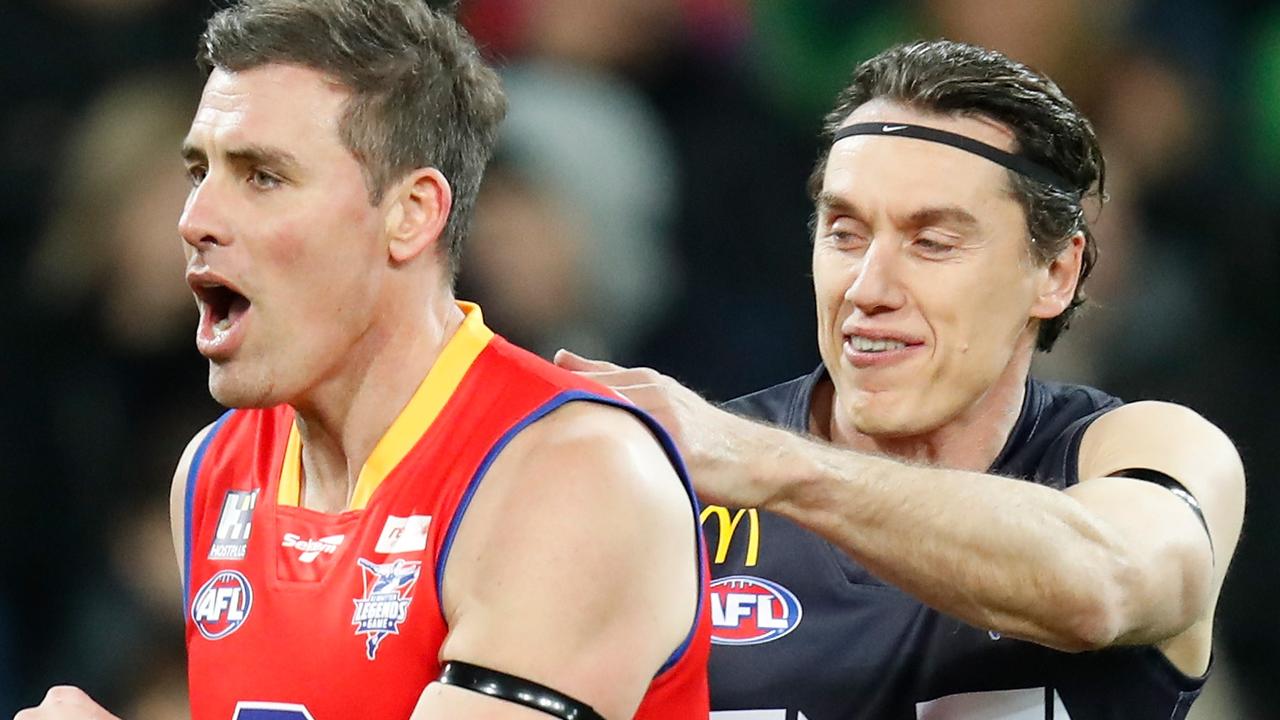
(951, 78)
(421, 96)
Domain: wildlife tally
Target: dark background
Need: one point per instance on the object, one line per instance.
(647, 205)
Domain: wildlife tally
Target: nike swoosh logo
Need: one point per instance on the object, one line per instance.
(892, 128)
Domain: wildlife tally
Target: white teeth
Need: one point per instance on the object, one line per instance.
(865, 344)
(222, 325)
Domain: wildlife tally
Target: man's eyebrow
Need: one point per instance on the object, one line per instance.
(250, 154)
(943, 214)
(829, 201)
(952, 215)
(191, 153)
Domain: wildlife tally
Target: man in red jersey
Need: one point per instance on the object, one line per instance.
(406, 516)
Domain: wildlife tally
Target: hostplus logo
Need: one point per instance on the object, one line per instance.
(234, 525)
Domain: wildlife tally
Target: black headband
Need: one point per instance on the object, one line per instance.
(1017, 163)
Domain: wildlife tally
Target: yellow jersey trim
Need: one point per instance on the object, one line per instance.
(413, 422)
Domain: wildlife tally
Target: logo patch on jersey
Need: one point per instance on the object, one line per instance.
(222, 605)
(748, 610)
(234, 523)
(727, 526)
(403, 534)
(309, 550)
(385, 604)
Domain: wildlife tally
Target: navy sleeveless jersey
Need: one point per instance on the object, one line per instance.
(801, 631)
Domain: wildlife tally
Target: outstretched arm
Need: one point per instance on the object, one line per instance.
(575, 567)
(1113, 560)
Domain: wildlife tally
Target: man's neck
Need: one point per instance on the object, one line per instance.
(342, 419)
(970, 441)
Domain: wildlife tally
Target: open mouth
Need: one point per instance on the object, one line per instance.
(223, 306)
(222, 312)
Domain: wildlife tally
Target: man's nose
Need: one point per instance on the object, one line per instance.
(876, 287)
(203, 217)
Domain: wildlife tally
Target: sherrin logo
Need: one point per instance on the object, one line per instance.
(222, 605)
(309, 550)
(748, 610)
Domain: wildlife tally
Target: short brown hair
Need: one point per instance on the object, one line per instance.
(421, 96)
(951, 78)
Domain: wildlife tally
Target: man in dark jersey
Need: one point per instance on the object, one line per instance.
(918, 529)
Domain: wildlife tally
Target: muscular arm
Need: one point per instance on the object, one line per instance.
(575, 567)
(1112, 560)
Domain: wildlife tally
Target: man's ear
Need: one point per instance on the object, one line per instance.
(417, 213)
(1058, 281)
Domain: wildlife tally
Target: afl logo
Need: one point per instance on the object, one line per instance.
(749, 610)
(222, 605)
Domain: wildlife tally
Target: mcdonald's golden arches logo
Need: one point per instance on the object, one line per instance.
(728, 527)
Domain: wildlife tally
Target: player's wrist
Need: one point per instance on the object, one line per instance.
(777, 466)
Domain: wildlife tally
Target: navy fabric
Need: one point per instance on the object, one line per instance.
(864, 650)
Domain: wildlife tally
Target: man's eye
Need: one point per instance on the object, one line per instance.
(842, 237)
(264, 179)
(196, 174)
(933, 246)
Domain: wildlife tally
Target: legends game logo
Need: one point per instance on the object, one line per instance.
(385, 604)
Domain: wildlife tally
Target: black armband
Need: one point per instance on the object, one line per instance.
(515, 689)
(1172, 485)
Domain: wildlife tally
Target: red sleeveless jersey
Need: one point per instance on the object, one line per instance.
(293, 613)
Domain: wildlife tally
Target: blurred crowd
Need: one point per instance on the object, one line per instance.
(647, 204)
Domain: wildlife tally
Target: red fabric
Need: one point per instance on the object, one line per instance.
(297, 642)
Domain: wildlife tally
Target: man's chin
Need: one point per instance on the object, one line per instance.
(879, 426)
(884, 417)
(236, 392)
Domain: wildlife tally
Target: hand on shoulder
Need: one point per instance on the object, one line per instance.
(717, 447)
